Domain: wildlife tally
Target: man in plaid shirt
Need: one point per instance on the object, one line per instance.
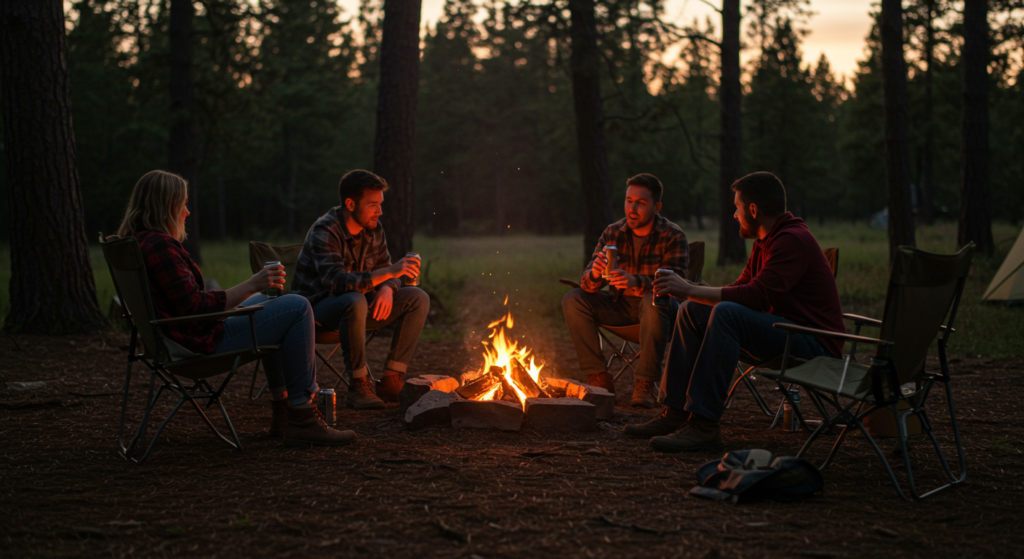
(345, 271)
(646, 241)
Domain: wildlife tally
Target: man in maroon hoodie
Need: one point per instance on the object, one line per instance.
(786, 279)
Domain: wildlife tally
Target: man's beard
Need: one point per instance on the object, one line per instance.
(747, 233)
(640, 223)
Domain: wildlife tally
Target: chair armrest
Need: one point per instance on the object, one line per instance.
(827, 333)
(862, 319)
(237, 311)
(570, 283)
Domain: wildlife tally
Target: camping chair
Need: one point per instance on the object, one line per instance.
(627, 354)
(288, 256)
(924, 288)
(748, 364)
(169, 363)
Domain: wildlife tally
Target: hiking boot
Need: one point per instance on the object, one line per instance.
(668, 421)
(306, 428)
(389, 386)
(697, 435)
(602, 380)
(279, 418)
(644, 395)
(361, 395)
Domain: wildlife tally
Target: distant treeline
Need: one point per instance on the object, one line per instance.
(286, 95)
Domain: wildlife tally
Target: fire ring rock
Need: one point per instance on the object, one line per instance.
(415, 387)
(561, 414)
(486, 414)
(431, 409)
(600, 397)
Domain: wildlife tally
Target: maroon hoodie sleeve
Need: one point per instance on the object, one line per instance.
(784, 265)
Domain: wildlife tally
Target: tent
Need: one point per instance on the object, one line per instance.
(1008, 283)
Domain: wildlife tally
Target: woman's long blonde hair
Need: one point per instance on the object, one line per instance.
(156, 204)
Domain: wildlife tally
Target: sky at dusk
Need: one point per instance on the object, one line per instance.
(838, 29)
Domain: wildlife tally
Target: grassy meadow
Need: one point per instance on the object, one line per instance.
(470, 277)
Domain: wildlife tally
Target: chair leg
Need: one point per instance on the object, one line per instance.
(745, 379)
(252, 385)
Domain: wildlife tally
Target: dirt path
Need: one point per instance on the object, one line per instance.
(65, 491)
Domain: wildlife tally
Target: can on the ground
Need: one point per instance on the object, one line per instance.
(661, 301)
(412, 280)
(790, 409)
(273, 291)
(611, 252)
(327, 406)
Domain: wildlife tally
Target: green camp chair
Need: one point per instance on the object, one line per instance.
(924, 289)
(627, 354)
(177, 369)
(288, 256)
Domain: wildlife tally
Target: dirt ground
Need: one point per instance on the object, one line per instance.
(66, 491)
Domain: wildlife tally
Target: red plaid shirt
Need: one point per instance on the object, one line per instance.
(664, 247)
(176, 285)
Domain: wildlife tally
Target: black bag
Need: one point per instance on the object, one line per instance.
(756, 475)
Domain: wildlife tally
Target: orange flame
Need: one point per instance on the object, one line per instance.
(500, 352)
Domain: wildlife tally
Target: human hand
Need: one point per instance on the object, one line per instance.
(673, 285)
(621, 280)
(270, 277)
(382, 303)
(406, 266)
(600, 265)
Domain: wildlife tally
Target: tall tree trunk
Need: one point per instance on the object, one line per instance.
(897, 144)
(731, 248)
(975, 204)
(181, 140)
(926, 182)
(51, 288)
(394, 151)
(585, 67)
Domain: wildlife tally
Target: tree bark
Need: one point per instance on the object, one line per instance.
(731, 248)
(181, 140)
(585, 66)
(51, 288)
(975, 203)
(926, 182)
(897, 144)
(395, 147)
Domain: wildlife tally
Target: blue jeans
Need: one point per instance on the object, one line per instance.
(348, 313)
(286, 321)
(585, 311)
(706, 344)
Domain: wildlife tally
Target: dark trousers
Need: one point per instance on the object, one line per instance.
(706, 344)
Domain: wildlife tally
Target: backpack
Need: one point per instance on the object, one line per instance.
(756, 475)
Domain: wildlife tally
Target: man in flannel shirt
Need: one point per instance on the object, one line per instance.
(346, 272)
(646, 241)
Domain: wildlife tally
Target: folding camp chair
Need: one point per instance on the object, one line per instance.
(627, 354)
(169, 363)
(748, 364)
(288, 256)
(924, 288)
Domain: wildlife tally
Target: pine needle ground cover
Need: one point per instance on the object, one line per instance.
(469, 493)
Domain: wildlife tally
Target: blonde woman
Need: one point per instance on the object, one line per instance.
(156, 216)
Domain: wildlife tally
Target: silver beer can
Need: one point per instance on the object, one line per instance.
(661, 301)
(409, 280)
(328, 405)
(611, 252)
(273, 291)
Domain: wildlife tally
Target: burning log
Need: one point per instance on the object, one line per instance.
(480, 385)
(526, 382)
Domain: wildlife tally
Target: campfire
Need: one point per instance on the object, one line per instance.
(505, 374)
(505, 393)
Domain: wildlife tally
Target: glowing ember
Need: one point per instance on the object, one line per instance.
(505, 373)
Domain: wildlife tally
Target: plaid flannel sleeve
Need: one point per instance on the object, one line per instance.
(675, 256)
(172, 282)
(383, 260)
(324, 247)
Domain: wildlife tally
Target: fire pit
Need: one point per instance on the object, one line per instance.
(506, 393)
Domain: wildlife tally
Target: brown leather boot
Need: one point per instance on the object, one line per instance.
(644, 395)
(698, 435)
(390, 385)
(306, 428)
(602, 380)
(669, 421)
(279, 418)
(361, 395)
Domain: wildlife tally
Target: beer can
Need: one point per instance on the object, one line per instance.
(327, 406)
(611, 252)
(273, 291)
(661, 301)
(410, 280)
